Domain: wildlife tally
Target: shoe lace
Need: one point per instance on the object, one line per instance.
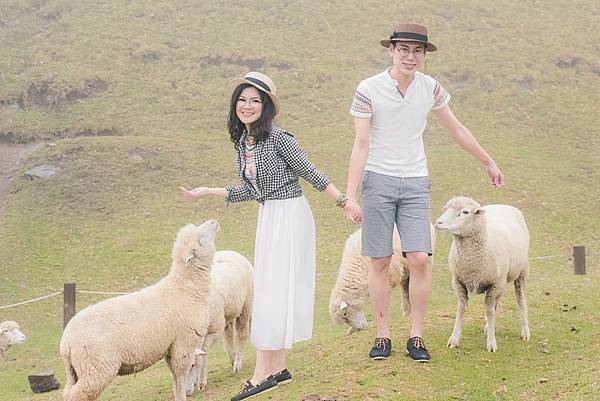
(381, 342)
(418, 342)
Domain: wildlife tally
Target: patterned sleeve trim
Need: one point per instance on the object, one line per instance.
(298, 160)
(238, 193)
(440, 96)
(361, 105)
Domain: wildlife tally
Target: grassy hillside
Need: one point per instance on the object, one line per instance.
(107, 80)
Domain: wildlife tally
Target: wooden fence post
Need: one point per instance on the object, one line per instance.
(579, 259)
(69, 294)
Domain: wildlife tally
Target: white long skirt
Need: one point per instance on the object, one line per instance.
(284, 274)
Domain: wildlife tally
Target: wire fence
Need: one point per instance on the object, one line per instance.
(332, 273)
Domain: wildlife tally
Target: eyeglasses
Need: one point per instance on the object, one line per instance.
(250, 102)
(404, 51)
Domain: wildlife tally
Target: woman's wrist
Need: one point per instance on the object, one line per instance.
(341, 200)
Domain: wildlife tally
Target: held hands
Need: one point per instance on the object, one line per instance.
(496, 176)
(352, 211)
(195, 194)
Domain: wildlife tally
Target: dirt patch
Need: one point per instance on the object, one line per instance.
(11, 157)
(146, 56)
(527, 83)
(456, 79)
(318, 398)
(48, 93)
(255, 63)
(21, 137)
(570, 62)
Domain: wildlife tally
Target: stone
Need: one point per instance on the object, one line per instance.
(136, 158)
(43, 381)
(43, 171)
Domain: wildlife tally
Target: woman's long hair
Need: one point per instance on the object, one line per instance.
(260, 128)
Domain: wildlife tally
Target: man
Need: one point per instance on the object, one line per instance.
(390, 114)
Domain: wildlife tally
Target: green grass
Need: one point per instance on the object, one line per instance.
(524, 79)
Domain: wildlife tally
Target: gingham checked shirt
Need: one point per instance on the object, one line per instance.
(280, 162)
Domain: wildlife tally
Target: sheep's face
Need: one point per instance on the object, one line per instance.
(196, 244)
(12, 332)
(352, 315)
(459, 217)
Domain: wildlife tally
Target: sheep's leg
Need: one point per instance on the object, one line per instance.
(84, 391)
(89, 387)
(179, 359)
(192, 376)
(229, 340)
(485, 328)
(71, 378)
(491, 303)
(203, 366)
(405, 304)
(522, 302)
(462, 296)
(241, 332)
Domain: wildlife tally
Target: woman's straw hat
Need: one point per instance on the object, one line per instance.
(261, 82)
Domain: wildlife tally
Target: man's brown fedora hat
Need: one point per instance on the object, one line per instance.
(409, 33)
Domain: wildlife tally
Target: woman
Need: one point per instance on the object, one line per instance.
(270, 162)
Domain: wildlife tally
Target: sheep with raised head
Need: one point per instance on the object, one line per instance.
(10, 334)
(230, 306)
(489, 250)
(351, 291)
(127, 334)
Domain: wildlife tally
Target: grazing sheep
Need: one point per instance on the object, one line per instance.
(230, 307)
(127, 334)
(350, 292)
(490, 250)
(10, 334)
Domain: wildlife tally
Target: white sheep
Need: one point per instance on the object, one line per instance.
(490, 250)
(350, 292)
(230, 306)
(10, 334)
(127, 334)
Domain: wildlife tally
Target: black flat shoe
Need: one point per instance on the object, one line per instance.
(250, 390)
(283, 377)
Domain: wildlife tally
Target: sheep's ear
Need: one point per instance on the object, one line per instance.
(189, 258)
(478, 210)
(343, 305)
(199, 351)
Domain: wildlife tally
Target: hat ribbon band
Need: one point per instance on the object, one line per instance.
(409, 35)
(259, 83)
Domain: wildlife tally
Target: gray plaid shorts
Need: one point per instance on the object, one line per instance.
(404, 201)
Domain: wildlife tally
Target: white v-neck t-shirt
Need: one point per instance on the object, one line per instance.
(397, 122)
